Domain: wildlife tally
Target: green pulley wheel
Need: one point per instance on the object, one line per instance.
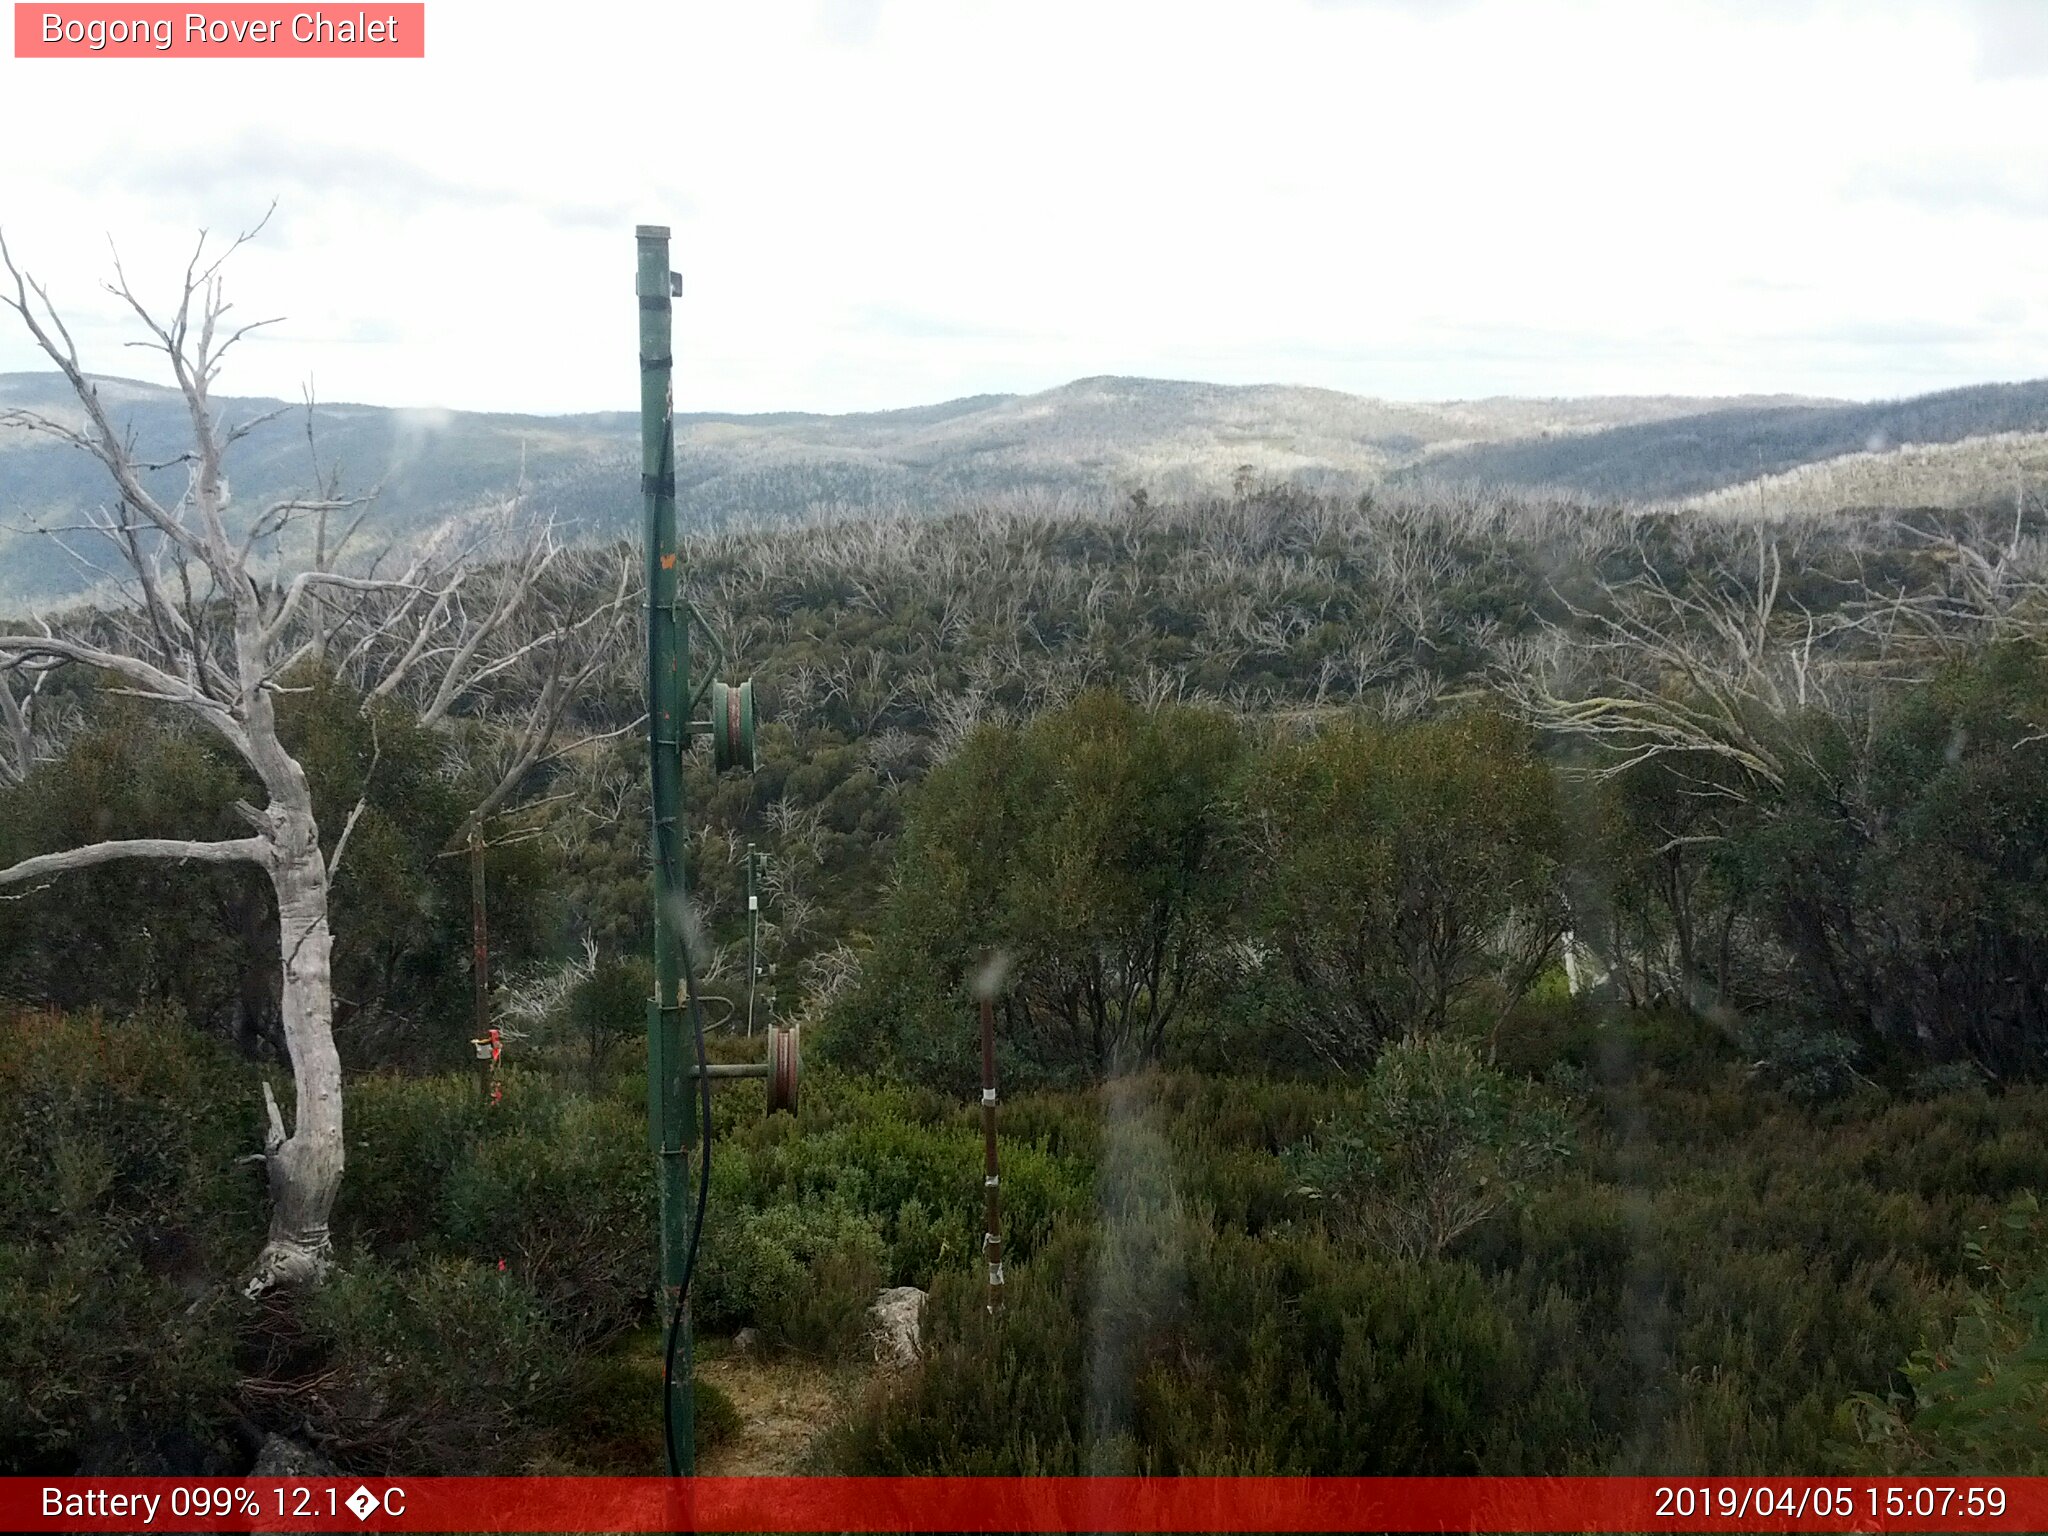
(732, 726)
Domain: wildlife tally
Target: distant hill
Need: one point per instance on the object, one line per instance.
(1090, 439)
(429, 464)
(1688, 455)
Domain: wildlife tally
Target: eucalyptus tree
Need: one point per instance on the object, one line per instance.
(208, 624)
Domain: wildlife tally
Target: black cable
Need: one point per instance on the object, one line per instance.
(666, 484)
(682, 1302)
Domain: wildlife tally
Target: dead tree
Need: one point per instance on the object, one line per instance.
(506, 648)
(1682, 676)
(26, 727)
(1705, 681)
(206, 633)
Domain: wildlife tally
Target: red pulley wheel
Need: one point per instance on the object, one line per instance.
(784, 1059)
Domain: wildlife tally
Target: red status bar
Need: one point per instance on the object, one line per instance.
(1024, 1504)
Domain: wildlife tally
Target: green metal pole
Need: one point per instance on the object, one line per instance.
(671, 1109)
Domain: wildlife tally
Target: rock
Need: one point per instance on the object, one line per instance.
(893, 1323)
(746, 1341)
(281, 1457)
(287, 1458)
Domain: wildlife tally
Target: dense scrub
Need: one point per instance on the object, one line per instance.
(878, 647)
(1162, 886)
(1703, 1286)
(201, 942)
(1696, 1273)
(1402, 1071)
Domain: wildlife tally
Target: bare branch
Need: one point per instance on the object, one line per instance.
(134, 668)
(273, 1136)
(362, 800)
(105, 444)
(456, 676)
(15, 718)
(569, 748)
(306, 581)
(247, 850)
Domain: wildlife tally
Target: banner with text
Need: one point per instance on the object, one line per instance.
(233, 31)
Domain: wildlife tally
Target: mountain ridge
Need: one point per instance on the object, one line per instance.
(1103, 436)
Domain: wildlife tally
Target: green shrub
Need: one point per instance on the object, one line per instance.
(1977, 1392)
(123, 1223)
(1094, 842)
(804, 1274)
(407, 1136)
(609, 1005)
(1410, 875)
(569, 1206)
(908, 1163)
(827, 1316)
(1808, 1066)
(134, 934)
(131, 1125)
(1238, 1355)
(99, 1356)
(992, 1396)
(1945, 1078)
(607, 1420)
(1716, 1272)
(559, 1187)
(446, 1369)
(1442, 1143)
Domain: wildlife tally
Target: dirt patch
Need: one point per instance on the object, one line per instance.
(784, 1402)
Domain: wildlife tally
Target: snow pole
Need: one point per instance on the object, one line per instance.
(992, 1210)
(480, 961)
(991, 1179)
(753, 937)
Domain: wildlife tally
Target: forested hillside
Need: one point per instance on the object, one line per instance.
(1086, 444)
(1489, 985)
(1089, 442)
(2010, 467)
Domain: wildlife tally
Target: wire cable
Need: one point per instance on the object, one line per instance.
(667, 847)
(682, 1302)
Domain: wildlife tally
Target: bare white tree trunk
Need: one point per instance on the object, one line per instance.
(304, 1166)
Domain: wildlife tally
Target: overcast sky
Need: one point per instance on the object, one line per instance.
(887, 202)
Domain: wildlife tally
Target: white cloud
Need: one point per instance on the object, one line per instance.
(881, 204)
(2012, 39)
